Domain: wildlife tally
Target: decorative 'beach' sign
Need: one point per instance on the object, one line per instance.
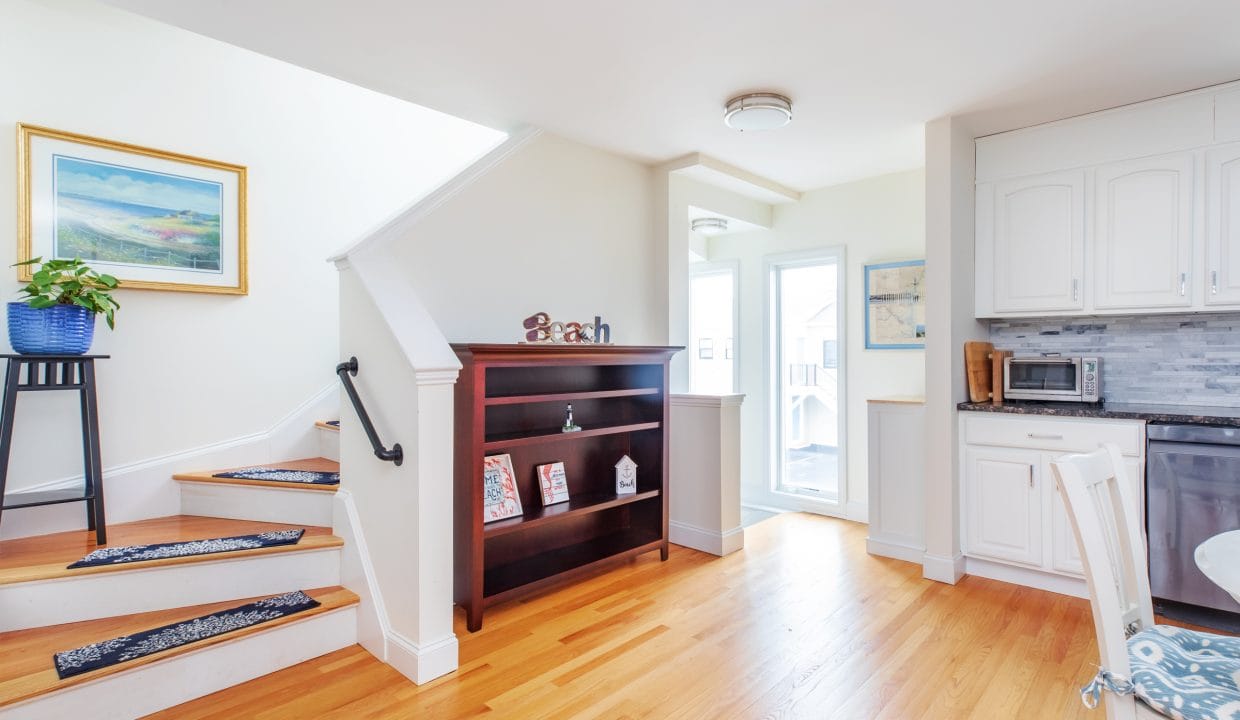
(540, 329)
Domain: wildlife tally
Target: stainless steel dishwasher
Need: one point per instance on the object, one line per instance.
(1192, 493)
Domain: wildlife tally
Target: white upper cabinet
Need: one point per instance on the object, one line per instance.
(1223, 225)
(1038, 243)
(1129, 211)
(1143, 233)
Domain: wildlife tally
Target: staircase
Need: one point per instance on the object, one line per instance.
(46, 608)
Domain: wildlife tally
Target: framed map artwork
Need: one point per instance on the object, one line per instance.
(895, 305)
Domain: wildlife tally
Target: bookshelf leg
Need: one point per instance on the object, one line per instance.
(663, 550)
(473, 618)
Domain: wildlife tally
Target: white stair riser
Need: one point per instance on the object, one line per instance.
(252, 502)
(161, 685)
(329, 444)
(108, 594)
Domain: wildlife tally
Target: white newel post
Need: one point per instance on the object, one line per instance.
(705, 476)
(397, 520)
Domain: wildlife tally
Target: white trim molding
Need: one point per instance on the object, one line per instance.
(942, 569)
(422, 663)
(708, 541)
(899, 551)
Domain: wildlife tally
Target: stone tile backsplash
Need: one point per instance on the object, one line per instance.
(1164, 359)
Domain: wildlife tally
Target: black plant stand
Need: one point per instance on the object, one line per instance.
(57, 372)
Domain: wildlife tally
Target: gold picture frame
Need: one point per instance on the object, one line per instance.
(156, 220)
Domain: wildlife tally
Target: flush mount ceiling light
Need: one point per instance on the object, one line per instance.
(757, 111)
(709, 225)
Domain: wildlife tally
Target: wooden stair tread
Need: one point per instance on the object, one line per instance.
(318, 464)
(325, 426)
(27, 670)
(45, 557)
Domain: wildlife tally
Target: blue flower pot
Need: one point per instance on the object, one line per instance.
(58, 330)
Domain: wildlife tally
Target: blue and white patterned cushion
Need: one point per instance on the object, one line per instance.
(1182, 674)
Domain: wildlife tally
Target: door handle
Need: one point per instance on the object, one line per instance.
(1044, 436)
(1183, 284)
(1214, 282)
(1076, 289)
(1030, 477)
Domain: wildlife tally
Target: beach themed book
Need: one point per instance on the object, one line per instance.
(554, 483)
(500, 498)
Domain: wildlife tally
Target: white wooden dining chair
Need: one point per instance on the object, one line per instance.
(1147, 671)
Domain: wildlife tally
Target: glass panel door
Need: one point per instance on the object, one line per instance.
(806, 354)
(712, 328)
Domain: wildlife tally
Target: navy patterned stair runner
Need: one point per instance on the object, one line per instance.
(161, 551)
(131, 647)
(307, 477)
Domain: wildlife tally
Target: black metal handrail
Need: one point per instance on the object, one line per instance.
(345, 370)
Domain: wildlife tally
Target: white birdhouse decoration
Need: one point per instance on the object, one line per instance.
(626, 476)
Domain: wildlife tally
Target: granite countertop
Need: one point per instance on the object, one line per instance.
(1193, 414)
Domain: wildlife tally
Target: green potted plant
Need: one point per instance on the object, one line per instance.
(56, 315)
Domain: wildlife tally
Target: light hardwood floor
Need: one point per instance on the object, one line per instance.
(801, 624)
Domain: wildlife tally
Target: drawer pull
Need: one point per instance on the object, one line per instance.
(1031, 477)
(1044, 436)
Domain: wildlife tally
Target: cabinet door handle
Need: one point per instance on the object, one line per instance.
(1031, 477)
(1044, 436)
(1076, 289)
(1214, 282)
(1183, 284)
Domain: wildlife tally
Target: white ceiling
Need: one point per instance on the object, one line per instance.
(648, 78)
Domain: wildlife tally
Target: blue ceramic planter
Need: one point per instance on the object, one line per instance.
(58, 330)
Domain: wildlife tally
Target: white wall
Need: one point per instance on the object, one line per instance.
(557, 227)
(327, 162)
(876, 219)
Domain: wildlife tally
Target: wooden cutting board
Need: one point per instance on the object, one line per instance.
(979, 368)
(996, 375)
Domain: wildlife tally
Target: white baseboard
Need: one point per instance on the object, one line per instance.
(145, 489)
(358, 574)
(899, 551)
(422, 663)
(708, 541)
(150, 688)
(126, 592)
(1028, 577)
(942, 569)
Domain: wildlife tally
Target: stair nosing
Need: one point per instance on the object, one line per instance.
(58, 571)
(133, 665)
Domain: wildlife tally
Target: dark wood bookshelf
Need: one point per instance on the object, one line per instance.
(510, 399)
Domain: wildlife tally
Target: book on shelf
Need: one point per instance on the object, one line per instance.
(500, 497)
(554, 483)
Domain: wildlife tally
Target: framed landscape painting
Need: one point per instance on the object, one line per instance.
(155, 220)
(895, 305)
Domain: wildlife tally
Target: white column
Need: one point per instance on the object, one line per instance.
(705, 473)
(949, 323)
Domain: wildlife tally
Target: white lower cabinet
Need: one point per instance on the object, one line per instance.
(1012, 513)
(1003, 503)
